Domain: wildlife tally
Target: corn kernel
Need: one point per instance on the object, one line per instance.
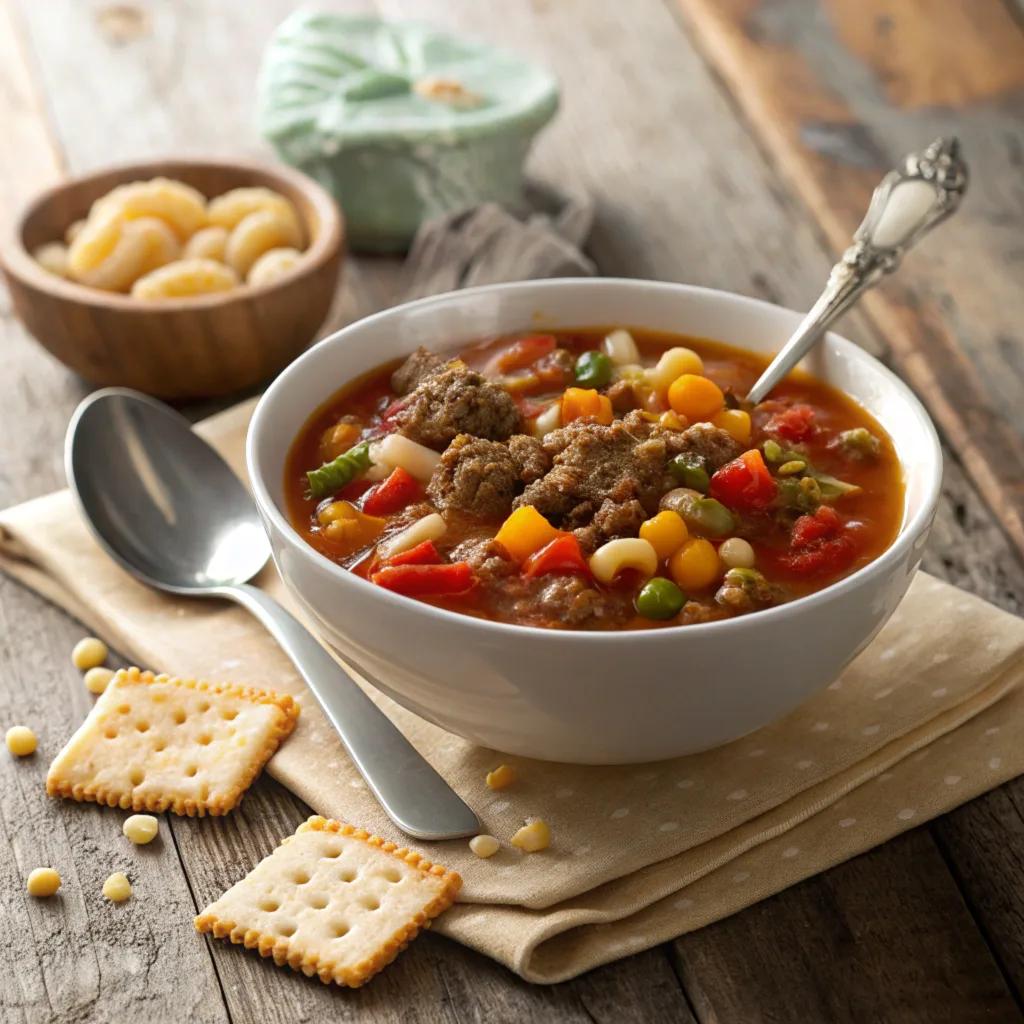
(736, 553)
(695, 565)
(736, 423)
(696, 398)
(533, 837)
(96, 679)
(117, 887)
(672, 421)
(673, 363)
(89, 653)
(484, 846)
(21, 740)
(141, 828)
(43, 882)
(666, 533)
(501, 777)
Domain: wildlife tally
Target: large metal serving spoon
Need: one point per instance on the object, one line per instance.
(922, 192)
(168, 508)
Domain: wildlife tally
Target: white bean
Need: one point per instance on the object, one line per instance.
(621, 348)
(428, 528)
(550, 419)
(625, 553)
(397, 450)
(736, 553)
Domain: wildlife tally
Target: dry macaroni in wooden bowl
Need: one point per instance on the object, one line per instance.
(594, 479)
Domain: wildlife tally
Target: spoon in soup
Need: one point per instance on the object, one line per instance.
(909, 201)
(170, 511)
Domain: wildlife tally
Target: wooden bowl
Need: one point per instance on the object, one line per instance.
(176, 348)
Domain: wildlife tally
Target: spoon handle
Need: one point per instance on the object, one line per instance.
(411, 792)
(922, 192)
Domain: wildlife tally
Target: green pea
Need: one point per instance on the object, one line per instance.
(660, 599)
(593, 370)
(687, 469)
(712, 517)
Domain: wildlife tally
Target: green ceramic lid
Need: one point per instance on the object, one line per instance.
(331, 82)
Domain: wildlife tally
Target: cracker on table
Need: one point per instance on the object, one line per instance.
(155, 743)
(334, 901)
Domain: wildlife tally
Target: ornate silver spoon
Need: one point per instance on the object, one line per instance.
(922, 192)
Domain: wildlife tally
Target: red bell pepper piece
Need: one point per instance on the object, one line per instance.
(744, 485)
(561, 555)
(794, 425)
(820, 544)
(425, 580)
(422, 554)
(390, 495)
(524, 352)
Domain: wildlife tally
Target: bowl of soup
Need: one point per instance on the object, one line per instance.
(544, 517)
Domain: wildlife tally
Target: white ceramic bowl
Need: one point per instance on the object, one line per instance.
(590, 698)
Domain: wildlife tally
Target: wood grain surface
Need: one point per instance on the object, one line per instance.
(688, 187)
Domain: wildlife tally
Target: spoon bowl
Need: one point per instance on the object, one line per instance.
(172, 513)
(163, 503)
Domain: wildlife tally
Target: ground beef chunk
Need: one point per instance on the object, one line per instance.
(475, 476)
(623, 396)
(531, 460)
(486, 557)
(610, 521)
(710, 443)
(694, 612)
(417, 368)
(457, 401)
(557, 602)
(591, 464)
(557, 369)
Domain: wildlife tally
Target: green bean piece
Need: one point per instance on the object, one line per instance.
(689, 471)
(803, 495)
(660, 599)
(832, 488)
(593, 370)
(331, 477)
(792, 468)
(709, 516)
(859, 442)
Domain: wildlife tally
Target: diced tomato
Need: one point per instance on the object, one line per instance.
(387, 417)
(561, 555)
(530, 410)
(422, 554)
(744, 485)
(553, 373)
(523, 353)
(794, 424)
(425, 580)
(390, 495)
(820, 544)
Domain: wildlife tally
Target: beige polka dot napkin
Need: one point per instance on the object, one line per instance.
(925, 719)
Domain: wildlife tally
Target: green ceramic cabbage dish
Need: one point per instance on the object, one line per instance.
(399, 121)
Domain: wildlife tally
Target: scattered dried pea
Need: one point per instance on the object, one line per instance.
(532, 837)
(501, 777)
(117, 887)
(43, 882)
(141, 828)
(96, 679)
(21, 740)
(484, 846)
(89, 653)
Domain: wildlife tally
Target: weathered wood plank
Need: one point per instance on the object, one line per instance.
(76, 956)
(847, 933)
(837, 93)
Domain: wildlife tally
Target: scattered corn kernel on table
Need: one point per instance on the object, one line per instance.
(730, 143)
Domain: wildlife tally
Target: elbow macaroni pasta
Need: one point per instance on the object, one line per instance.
(162, 239)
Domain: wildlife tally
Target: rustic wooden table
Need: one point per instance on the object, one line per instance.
(730, 143)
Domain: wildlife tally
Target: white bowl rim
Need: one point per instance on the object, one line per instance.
(882, 564)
